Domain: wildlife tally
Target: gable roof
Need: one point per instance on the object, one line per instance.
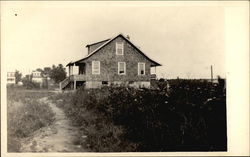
(107, 42)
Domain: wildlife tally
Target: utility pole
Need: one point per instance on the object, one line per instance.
(211, 74)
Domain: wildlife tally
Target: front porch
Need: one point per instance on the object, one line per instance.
(76, 68)
(77, 77)
(73, 81)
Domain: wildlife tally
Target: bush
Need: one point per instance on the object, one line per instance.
(129, 119)
(28, 84)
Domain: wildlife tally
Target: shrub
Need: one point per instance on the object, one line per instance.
(129, 119)
(28, 84)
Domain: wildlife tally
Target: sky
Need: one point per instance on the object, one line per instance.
(185, 39)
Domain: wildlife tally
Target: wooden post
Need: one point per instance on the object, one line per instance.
(74, 84)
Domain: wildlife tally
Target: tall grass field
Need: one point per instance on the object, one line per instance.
(25, 114)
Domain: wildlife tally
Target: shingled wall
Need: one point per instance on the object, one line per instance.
(109, 66)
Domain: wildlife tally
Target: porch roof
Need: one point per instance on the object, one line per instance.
(74, 63)
(70, 64)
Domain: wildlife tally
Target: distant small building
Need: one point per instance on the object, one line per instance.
(11, 79)
(37, 77)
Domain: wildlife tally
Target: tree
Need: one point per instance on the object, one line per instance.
(46, 71)
(39, 69)
(28, 77)
(58, 73)
(18, 76)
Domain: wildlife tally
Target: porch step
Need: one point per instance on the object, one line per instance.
(64, 83)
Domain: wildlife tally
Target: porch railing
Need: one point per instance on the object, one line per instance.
(77, 77)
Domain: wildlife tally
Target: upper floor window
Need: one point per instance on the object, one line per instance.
(141, 68)
(119, 48)
(95, 67)
(11, 74)
(121, 68)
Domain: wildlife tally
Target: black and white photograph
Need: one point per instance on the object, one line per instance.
(141, 77)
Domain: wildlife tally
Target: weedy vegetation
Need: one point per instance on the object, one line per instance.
(25, 114)
(184, 115)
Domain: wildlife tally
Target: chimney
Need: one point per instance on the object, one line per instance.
(128, 37)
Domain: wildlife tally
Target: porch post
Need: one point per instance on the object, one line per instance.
(74, 84)
(70, 70)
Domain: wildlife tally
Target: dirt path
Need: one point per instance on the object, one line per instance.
(61, 136)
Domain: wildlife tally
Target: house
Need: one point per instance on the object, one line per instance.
(11, 79)
(114, 61)
(37, 77)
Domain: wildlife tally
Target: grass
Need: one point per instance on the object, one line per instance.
(25, 114)
(21, 94)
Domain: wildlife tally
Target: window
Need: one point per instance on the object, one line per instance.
(10, 74)
(10, 79)
(95, 67)
(141, 68)
(121, 68)
(119, 48)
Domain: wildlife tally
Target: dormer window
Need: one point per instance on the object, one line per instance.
(119, 48)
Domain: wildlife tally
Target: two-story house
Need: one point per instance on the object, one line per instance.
(37, 77)
(11, 79)
(113, 61)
